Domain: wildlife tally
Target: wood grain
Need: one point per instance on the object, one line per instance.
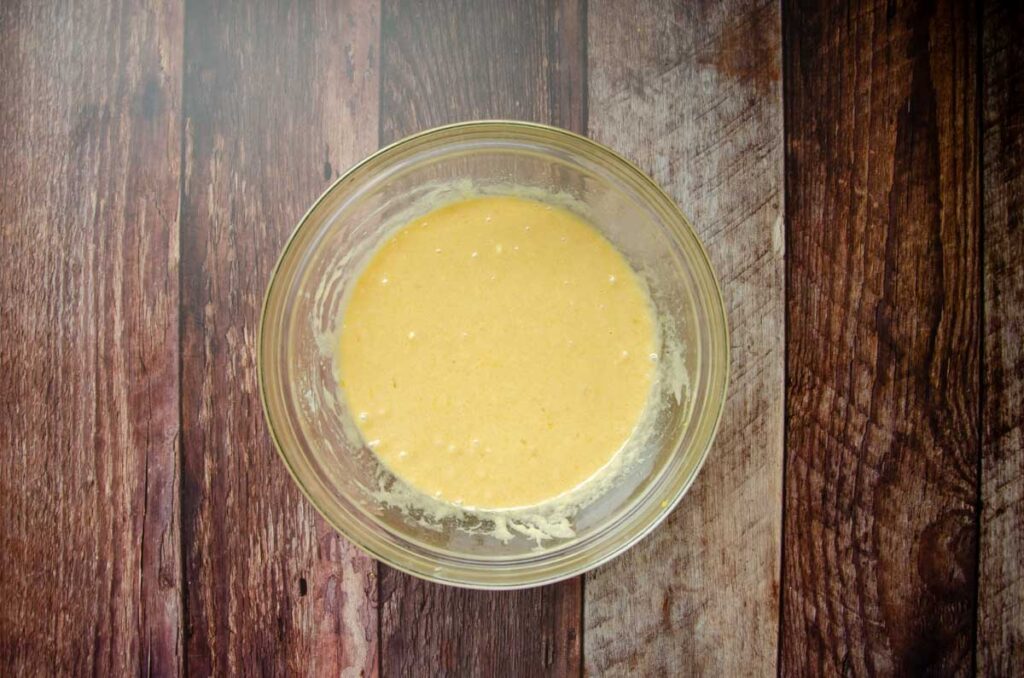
(1001, 579)
(139, 134)
(692, 93)
(89, 470)
(278, 98)
(444, 62)
(884, 333)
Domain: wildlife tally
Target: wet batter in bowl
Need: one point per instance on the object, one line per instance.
(497, 352)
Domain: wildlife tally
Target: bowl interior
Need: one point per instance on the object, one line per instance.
(315, 432)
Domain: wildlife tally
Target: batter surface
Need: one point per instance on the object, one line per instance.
(496, 352)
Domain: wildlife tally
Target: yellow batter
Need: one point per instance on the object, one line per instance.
(496, 352)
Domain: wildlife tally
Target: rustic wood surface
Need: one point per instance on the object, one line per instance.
(881, 501)
(1000, 649)
(89, 483)
(693, 93)
(854, 169)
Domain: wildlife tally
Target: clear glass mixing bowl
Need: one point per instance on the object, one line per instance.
(313, 431)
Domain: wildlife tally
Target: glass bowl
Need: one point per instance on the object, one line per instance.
(314, 432)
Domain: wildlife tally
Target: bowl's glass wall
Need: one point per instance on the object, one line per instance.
(314, 432)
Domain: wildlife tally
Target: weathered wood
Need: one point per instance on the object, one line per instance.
(881, 500)
(433, 630)
(1001, 579)
(89, 128)
(692, 92)
(278, 98)
(466, 60)
(891, 414)
(440, 64)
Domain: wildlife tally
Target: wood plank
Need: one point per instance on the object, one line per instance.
(1001, 580)
(881, 503)
(692, 93)
(516, 60)
(278, 99)
(89, 538)
(443, 63)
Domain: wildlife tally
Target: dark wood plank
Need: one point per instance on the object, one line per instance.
(693, 93)
(89, 538)
(458, 60)
(278, 98)
(881, 501)
(433, 630)
(443, 62)
(1001, 578)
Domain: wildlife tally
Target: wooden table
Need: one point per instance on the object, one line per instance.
(856, 174)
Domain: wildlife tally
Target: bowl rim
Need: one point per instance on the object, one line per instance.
(718, 302)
